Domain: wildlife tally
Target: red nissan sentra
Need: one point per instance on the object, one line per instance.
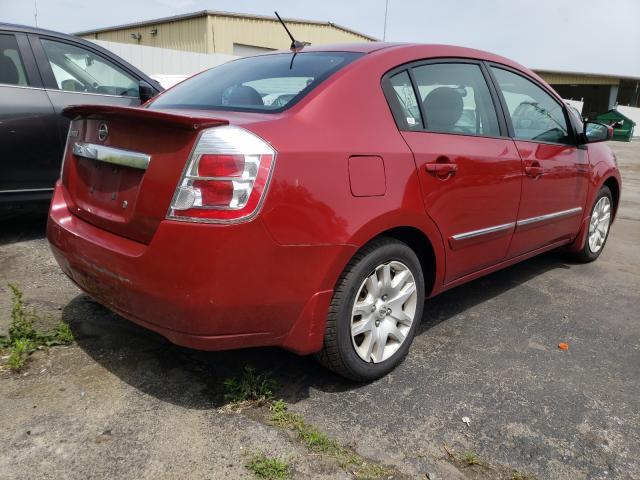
(314, 200)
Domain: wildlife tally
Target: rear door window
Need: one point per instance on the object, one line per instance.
(456, 99)
(405, 99)
(535, 115)
(11, 66)
(265, 83)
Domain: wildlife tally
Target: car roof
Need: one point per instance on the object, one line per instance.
(27, 29)
(420, 51)
(10, 27)
(425, 50)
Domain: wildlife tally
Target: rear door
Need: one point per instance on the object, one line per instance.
(30, 150)
(469, 170)
(555, 169)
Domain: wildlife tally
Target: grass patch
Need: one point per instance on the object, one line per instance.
(23, 338)
(318, 442)
(251, 387)
(470, 459)
(268, 468)
(522, 476)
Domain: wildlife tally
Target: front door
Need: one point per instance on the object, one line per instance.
(555, 180)
(469, 173)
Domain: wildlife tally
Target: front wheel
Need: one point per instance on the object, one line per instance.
(376, 308)
(599, 224)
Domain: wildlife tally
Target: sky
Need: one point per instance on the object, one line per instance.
(594, 36)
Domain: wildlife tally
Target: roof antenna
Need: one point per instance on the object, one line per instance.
(295, 44)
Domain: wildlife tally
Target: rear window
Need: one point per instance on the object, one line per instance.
(267, 83)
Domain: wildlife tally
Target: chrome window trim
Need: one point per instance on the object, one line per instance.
(116, 156)
(59, 90)
(548, 216)
(22, 190)
(483, 231)
(26, 87)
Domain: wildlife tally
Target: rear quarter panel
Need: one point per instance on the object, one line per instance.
(310, 201)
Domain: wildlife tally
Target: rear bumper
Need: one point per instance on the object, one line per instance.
(209, 287)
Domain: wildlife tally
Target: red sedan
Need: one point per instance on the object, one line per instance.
(314, 199)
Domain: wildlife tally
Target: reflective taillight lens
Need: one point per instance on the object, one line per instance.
(225, 178)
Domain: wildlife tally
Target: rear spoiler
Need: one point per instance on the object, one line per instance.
(184, 120)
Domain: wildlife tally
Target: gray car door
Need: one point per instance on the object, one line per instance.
(29, 144)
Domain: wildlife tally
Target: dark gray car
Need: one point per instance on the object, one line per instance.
(41, 73)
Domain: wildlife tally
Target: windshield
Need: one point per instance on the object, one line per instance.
(266, 83)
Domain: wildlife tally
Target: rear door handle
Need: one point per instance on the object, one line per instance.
(441, 168)
(533, 169)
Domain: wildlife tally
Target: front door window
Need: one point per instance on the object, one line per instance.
(78, 70)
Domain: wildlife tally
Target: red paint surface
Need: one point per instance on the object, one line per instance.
(269, 281)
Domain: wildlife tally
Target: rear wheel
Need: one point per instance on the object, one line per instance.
(599, 224)
(376, 308)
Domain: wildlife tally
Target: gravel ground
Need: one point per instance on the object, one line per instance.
(122, 402)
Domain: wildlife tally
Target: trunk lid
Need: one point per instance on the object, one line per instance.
(122, 164)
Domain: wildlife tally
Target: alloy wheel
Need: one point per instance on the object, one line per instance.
(599, 224)
(383, 311)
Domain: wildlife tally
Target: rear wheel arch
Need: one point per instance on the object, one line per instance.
(422, 246)
(420, 235)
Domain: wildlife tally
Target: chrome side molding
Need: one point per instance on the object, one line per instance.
(465, 239)
(476, 236)
(116, 156)
(549, 216)
(483, 231)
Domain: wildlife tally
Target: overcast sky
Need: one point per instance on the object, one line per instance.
(597, 36)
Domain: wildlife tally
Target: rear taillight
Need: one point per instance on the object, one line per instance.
(225, 179)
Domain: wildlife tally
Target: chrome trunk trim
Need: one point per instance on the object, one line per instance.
(116, 156)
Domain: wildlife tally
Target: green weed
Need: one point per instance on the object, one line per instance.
(250, 387)
(268, 468)
(23, 338)
(318, 442)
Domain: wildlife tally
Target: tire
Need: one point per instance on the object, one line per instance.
(588, 253)
(343, 353)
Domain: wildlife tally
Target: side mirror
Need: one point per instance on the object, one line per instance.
(145, 91)
(597, 132)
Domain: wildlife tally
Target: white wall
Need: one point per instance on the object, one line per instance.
(167, 66)
(634, 114)
(577, 104)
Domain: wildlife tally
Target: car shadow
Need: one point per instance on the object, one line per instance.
(23, 222)
(195, 379)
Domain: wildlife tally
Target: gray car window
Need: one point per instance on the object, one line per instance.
(11, 67)
(78, 70)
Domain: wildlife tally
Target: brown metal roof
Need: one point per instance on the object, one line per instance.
(204, 13)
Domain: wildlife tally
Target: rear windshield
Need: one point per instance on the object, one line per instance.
(267, 83)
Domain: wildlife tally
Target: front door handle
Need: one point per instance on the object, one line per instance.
(532, 168)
